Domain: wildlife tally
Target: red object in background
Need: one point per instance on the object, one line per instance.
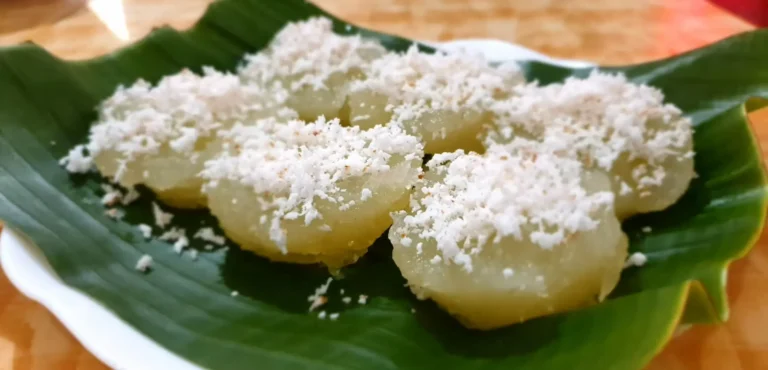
(752, 11)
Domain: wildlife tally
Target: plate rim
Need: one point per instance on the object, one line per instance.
(108, 337)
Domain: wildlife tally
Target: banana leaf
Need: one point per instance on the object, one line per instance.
(47, 105)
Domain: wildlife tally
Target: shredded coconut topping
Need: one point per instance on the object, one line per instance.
(416, 82)
(180, 111)
(291, 165)
(598, 119)
(520, 190)
(307, 54)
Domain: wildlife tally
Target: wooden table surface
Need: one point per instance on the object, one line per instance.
(606, 31)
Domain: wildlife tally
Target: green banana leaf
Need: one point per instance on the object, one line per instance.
(47, 105)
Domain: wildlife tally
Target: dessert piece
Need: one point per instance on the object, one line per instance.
(612, 125)
(310, 192)
(516, 233)
(160, 136)
(442, 98)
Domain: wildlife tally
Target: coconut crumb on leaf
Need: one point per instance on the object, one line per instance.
(207, 234)
(146, 230)
(637, 259)
(144, 263)
(178, 236)
(318, 298)
(317, 302)
(115, 213)
(77, 161)
(131, 196)
(162, 219)
(180, 244)
(111, 196)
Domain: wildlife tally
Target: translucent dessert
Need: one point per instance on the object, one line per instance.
(513, 234)
(442, 98)
(314, 65)
(311, 192)
(161, 136)
(612, 125)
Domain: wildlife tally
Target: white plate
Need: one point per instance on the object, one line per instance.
(113, 341)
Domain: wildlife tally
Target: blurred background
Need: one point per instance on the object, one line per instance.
(606, 31)
(609, 32)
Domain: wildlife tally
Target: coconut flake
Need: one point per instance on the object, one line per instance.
(131, 196)
(146, 230)
(207, 234)
(111, 197)
(162, 219)
(318, 298)
(366, 194)
(636, 259)
(115, 213)
(76, 161)
(144, 263)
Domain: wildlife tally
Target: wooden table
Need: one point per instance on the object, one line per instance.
(606, 31)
